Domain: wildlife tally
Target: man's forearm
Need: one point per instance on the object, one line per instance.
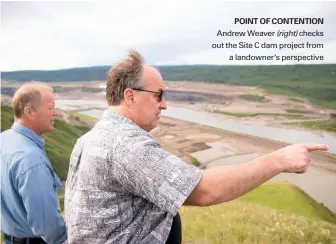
(225, 183)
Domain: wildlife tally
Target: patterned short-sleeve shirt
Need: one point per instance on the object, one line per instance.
(122, 187)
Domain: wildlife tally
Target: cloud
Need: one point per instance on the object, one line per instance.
(54, 35)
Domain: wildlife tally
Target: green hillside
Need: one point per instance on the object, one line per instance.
(59, 143)
(288, 197)
(276, 212)
(272, 213)
(315, 82)
(326, 125)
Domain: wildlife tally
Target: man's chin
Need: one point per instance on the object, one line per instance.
(50, 129)
(153, 126)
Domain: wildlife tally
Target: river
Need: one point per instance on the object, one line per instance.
(219, 121)
(316, 182)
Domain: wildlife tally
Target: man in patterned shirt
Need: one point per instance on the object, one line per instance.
(122, 187)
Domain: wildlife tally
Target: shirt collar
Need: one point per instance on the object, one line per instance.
(116, 116)
(29, 133)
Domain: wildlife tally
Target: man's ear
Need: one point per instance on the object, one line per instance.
(129, 96)
(29, 112)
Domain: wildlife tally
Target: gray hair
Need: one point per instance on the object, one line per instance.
(28, 95)
(126, 74)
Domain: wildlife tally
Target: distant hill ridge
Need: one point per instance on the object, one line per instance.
(316, 82)
(233, 74)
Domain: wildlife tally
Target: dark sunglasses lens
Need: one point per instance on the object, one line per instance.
(160, 96)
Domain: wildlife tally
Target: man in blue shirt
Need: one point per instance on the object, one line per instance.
(29, 204)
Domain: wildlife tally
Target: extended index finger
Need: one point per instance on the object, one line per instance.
(315, 147)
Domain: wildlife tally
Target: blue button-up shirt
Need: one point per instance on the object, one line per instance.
(29, 202)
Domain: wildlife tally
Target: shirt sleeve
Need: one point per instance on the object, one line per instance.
(36, 187)
(143, 168)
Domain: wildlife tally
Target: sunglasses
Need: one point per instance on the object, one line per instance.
(158, 94)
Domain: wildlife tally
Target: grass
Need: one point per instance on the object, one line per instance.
(276, 212)
(272, 213)
(288, 116)
(194, 161)
(286, 196)
(243, 222)
(294, 99)
(83, 117)
(7, 117)
(59, 142)
(295, 111)
(237, 114)
(59, 145)
(325, 125)
(61, 200)
(323, 104)
(318, 94)
(295, 116)
(254, 98)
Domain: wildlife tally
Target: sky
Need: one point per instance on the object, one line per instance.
(58, 35)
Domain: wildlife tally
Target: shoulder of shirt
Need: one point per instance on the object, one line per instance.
(13, 135)
(40, 166)
(6, 133)
(137, 136)
(28, 160)
(31, 153)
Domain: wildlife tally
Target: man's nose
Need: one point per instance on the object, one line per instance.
(163, 104)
